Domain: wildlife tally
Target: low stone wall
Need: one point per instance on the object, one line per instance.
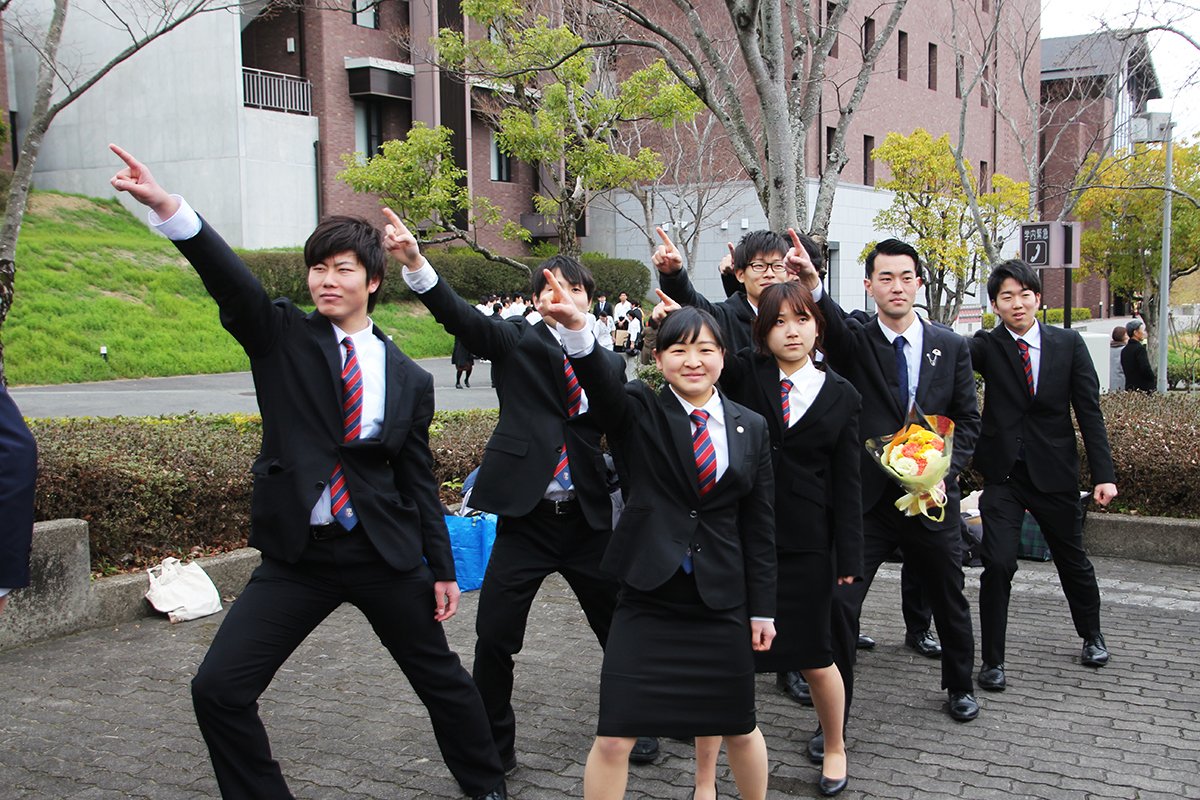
(64, 599)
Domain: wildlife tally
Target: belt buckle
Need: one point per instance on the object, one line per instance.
(560, 507)
(323, 533)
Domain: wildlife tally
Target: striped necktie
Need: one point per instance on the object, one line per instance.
(1023, 346)
(562, 472)
(706, 454)
(352, 399)
(785, 392)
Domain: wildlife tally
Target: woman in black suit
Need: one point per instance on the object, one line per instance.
(812, 413)
(694, 551)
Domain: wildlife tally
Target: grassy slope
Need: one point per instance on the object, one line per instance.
(89, 274)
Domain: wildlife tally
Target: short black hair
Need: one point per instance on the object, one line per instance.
(757, 243)
(341, 234)
(685, 325)
(572, 270)
(894, 247)
(1019, 271)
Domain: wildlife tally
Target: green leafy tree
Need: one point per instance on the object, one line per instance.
(930, 208)
(1122, 215)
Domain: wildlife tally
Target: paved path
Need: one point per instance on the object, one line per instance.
(106, 714)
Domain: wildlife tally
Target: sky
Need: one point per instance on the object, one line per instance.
(1176, 62)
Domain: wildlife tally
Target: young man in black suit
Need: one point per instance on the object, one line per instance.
(1028, 459)
(1139, 377)
(543, 473)
(345, 506)
(895, 359)
(18, 477)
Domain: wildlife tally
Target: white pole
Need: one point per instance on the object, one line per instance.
(1164, 275)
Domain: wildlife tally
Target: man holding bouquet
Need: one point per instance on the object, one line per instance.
(1028, 460)
(899, 362)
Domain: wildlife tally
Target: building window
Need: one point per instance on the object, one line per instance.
(868, 160)
(958, 76)
(902, 55)
(830, 8)
(368, 127)
(830, 133)
(365, 13)
(933, 66)
(868, 34)
(501, 162)
(985, 178)
(985, 88)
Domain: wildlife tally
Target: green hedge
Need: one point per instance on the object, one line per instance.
(284, 274)
(1054, 316)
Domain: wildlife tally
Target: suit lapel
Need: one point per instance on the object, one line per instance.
(821, 405)
(766, 375)
(393, 381)
(679, 429)
(1012, 355)
(326, 339)
(735, 437)
(554, 355)
(885, 356)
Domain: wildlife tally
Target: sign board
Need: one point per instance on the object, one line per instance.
(1050, 244)
(968, 315)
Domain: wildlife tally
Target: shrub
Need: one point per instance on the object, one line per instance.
(282, 273)
(1054, 316)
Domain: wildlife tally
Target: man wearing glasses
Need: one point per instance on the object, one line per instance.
(758, 261)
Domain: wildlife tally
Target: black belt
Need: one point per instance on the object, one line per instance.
(330, 530)
(557, 508)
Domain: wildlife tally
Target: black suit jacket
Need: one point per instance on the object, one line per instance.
(945, 386)
(731, 530)
(734, 314)
(297, 366)
(818, 493)
(604, 308)
(1041, 424)
(18, 477)
(1135, 363)
(527, 366)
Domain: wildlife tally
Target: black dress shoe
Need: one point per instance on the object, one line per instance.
(816, 747)
(923, 643)
(499, 793)
(645, 750)
(793, 685)
(1095, 653)
(963, 706)
(831, 786)
(992, 678)
(865, 643)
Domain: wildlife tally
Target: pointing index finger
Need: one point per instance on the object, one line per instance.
(795, 238)
(129, 160)
(666, 239)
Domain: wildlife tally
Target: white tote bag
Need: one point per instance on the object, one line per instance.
(182, 591)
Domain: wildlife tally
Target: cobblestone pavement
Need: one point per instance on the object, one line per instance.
(106, 714)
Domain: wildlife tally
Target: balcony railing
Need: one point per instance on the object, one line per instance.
(275, 91)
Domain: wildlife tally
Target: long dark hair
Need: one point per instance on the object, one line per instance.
(772, 302)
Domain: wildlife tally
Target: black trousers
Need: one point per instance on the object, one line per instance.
(527, 550)
(280, 606)
(917, 614)
(1060, 516)
(936, 564)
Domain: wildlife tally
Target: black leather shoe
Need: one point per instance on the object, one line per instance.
(793, 685)
(923, 643)
(816, 747)
(830, 786)
(1095, 653)
(865, 643)
(963, 706)
(499, 793)
(645, 750)
(992, 678)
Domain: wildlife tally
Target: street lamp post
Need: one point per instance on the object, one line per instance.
(1156, 127)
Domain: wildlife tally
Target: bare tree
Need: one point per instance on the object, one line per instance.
(59, 85)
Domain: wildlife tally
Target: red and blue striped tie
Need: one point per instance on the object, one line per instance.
(562, 472)
(785, 391)
(706, 454)
(1023, 346)
(352, 399)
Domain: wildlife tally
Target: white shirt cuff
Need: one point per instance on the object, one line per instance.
(763, 619)
(817, 292)
(577, 343)
(183, 224)
(420, 280)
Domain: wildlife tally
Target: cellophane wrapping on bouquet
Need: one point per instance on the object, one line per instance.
(918, 458)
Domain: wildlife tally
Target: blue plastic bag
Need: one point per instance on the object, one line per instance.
(471, 540)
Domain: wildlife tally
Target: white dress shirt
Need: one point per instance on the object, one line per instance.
(806, 385)
(1033, 338)
(914, 337)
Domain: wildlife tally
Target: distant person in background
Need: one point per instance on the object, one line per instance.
(622, 307)
(463, 362)
(602, 307)
(1116, 375)
(18, 475)
(1135, 363)
(603, 329)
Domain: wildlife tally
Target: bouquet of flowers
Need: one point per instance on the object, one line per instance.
(918, 457)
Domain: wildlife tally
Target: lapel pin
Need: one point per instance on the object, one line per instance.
(933, 357)
(740, 429)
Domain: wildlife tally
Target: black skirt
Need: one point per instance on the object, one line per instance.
(674, 667)
(803, 606)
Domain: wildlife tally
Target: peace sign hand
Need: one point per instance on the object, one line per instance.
(666, 257)
(400, 243)
(560, 307)
(665, 306)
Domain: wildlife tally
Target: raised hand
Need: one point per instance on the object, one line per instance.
(799, 264)
(560, 307)
(136, 179)
(666, 258)
(664, 306)
(400, 243)
(726, 265)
